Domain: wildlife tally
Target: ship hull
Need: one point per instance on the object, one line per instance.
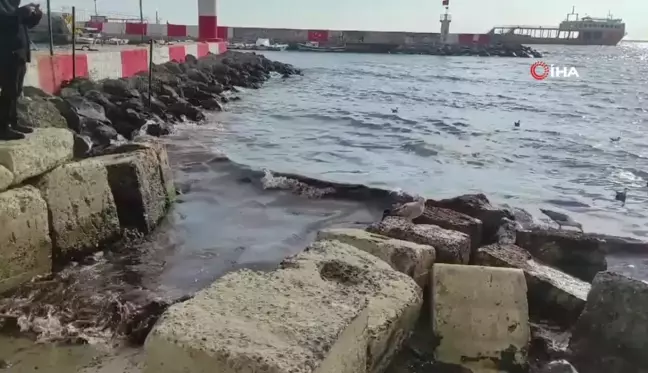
(519, 39)
(309, 48)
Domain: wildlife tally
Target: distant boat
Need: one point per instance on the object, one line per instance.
(265, 45)
(260, 45)
(315, 47)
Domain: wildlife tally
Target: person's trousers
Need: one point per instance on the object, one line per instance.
(12, 77)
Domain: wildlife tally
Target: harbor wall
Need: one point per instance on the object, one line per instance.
(49, 72)
(133, 31)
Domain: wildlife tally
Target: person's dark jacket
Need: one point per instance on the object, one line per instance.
(14, 36)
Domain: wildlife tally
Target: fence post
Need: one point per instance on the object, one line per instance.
(150, 75)
(73, 42)
(49, 26)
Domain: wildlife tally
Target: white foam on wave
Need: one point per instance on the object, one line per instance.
(271, 181)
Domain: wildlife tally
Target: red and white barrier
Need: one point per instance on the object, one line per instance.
(48, 72)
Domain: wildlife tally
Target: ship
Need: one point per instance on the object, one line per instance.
(572, 31)
(313, 46)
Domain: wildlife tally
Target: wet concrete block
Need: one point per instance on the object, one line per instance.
(25, 245)
(166, 173)
(453, 220)
(479, 207)
(575, 253)
(137, 186)
(6, 178)
(332, 308)
(394, 298)
(611, 336)
(410, 258)
(38, 153)
(552, 294)
(83, 215)
(480, 317)
(451, 246)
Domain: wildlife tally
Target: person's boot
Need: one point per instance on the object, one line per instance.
(10, 134)
(22, 129)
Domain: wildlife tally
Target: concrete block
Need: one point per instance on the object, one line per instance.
(480, 316)
(453, 220)
(165, 168)
(410, 258)
(6, 178)
(552, 294)
(136, 182)
(316, 313)
(25, 245)
(40, 152)
(394, 299)
(479, 207)
(450, 246)
(81, 206)
(611, 336)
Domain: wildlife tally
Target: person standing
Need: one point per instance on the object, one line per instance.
(15, 53)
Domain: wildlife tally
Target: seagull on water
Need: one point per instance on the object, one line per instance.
(562, 219)
(621, 196)
(409, 211)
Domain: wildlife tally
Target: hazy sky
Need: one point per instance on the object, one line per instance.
(470, 16)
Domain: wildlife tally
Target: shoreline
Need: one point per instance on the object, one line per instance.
(475, 207)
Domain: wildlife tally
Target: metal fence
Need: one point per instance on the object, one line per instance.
(61, 26)
(62, 31)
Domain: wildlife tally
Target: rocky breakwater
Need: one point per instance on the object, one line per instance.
(495, 50)
(353, 301)
(90, 178)
(114, 110)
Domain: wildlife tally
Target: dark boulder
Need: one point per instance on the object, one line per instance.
(211, 104)
(507, 232)
(29, 91)
(156, 128)
(69, 92)
(621, 245)
(81, 85)
(87, 118)
(82, 146)
(119, 88)
(578, 254)
(190, 59)
(39, 112)
(548, 343)
(182, 108)
(611, 336)
(479, 207)
(101, 99)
